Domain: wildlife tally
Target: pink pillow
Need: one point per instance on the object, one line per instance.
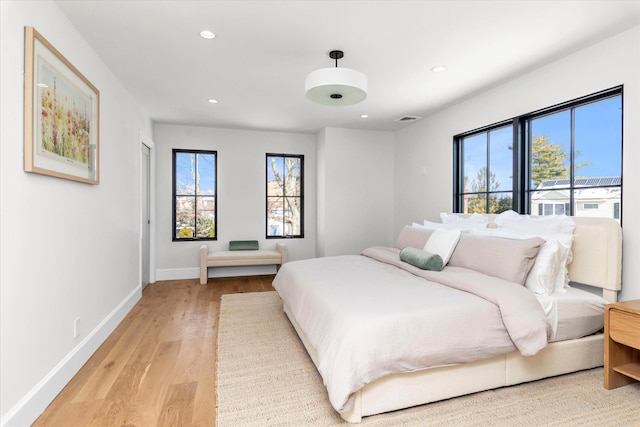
(413, 237)
(508, 259)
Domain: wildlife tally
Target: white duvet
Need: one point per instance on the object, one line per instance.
(370, 316)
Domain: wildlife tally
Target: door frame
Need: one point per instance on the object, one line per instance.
(148, 142)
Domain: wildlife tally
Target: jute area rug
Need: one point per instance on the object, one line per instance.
(266, 378)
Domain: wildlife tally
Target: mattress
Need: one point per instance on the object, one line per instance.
(573, 314)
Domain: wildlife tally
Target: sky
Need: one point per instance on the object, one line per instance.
(598, 130)
(206, 168)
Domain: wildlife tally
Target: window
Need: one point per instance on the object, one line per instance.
(553, 208)
(194, 195)
(565, 159)
(285, 196)
(487, 170)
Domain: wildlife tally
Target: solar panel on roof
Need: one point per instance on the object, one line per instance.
(582, 182)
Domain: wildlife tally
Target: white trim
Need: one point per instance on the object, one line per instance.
(194, 273)
(144, 139)
(31, 406)
(177, 273)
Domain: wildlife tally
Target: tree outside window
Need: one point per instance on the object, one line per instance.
(487, 170)
(285, 196)
(194, 195)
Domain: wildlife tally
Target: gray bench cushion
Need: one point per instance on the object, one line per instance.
(243, 245)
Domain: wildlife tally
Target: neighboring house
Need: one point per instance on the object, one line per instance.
(553, 199)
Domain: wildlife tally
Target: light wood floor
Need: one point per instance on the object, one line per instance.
(158, 367)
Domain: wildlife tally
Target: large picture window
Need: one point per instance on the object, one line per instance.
(565, 159)
(285, 196)
(194, 195)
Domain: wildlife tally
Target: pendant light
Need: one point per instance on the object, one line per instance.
(336, 86)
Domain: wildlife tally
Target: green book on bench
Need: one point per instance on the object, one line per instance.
(243, 245)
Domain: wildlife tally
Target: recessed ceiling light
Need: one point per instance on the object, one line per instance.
(364, 116)
(213, 101)
(207, 34)
(42, 85)
(438, 69)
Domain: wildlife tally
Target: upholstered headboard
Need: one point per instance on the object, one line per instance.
(597, 255)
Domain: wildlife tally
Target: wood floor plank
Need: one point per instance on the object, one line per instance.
(105, 375)
(154, 386)
(118, 401)
(68, 414)
(188, 361)
(177, 410)
(204, 407)
(185, 302)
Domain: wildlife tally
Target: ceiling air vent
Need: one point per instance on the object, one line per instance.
(407, 119)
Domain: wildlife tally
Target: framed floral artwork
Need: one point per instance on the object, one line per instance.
(62, 109)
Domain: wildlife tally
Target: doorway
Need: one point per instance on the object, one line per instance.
(145, 213)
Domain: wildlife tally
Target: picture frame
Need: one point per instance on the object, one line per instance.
(61, 115)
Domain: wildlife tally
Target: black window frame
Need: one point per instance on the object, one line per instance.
(458, 155)
(174, 236)
(300, 157)
(521, 200)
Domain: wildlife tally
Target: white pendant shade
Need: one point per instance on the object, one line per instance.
(336, 86)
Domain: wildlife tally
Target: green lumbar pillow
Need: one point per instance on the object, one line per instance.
(422, 259)
(243, 245)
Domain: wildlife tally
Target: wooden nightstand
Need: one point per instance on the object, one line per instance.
(621, 344)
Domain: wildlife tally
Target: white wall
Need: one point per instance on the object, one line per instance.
(321, 192)
(241, 195)
(356, 205)
(429, 142)
(352, 186)
(68, 249)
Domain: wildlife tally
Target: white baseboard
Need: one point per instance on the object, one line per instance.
(177, 273)
(31, 406)
(194, 273)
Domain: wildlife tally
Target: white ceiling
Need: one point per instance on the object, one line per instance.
(263, 50)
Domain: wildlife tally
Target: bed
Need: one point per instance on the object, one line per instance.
(356, 316)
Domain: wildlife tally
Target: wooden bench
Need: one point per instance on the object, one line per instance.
(277, 256)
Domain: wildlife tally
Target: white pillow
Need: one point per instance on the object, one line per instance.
(465, 221)
(450, 226)
(561, 282)
(442, 242)
(428, 225)
(548, 269)
(499, 220)
(547, 224)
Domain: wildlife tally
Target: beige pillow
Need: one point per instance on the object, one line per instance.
(413, 237)
(508, 259)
